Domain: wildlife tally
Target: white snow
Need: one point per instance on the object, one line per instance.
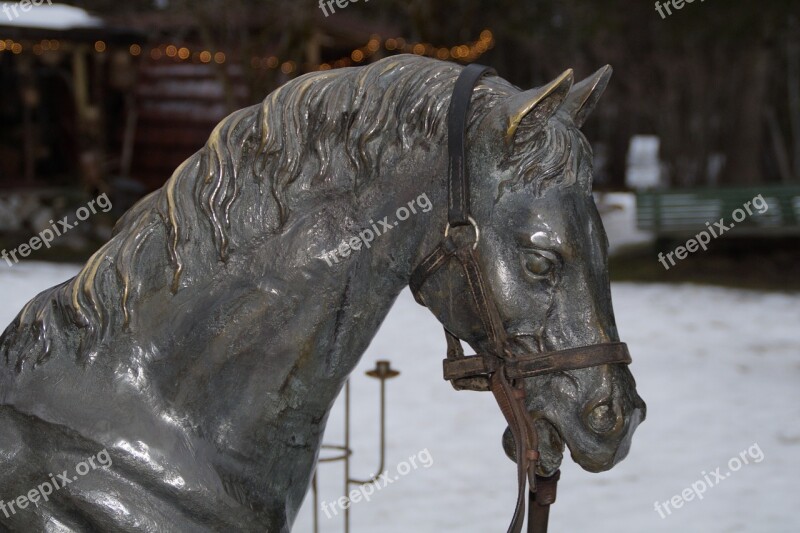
(719, 369)
(47, 15)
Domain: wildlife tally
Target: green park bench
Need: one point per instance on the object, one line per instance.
(684, 212)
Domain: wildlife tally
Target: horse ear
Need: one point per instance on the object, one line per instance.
(584, 95)
(536, 106)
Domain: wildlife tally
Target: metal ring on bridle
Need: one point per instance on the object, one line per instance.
(474, 225)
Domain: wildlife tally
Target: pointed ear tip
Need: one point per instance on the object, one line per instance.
(601, 76)
(596, 83)
(563, 83)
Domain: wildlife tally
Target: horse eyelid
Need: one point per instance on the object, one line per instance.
(550, 255)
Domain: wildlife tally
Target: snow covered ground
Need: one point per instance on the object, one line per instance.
(718, 368)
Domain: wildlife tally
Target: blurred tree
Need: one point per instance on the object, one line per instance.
(718, 82)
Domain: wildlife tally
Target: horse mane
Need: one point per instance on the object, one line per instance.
(281, 152)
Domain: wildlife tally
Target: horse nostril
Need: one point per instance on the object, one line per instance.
(602, 418)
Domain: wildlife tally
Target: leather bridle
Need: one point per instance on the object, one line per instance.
(498, 369)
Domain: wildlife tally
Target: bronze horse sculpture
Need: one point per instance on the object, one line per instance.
(203, 346)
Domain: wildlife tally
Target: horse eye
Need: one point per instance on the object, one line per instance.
(537, 264)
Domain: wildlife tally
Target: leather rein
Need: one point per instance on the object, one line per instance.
(498, 370)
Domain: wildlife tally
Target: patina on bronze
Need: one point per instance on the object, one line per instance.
(204, 345)
(501, 369)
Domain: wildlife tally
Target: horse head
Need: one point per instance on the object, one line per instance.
(542, 250)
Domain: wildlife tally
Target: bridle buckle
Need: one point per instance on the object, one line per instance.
(473, 224)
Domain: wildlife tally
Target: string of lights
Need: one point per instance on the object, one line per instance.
(462, 52)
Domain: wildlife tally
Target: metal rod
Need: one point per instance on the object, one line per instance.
(347, 454)
(382, 438)
(538, 515)
(382, 372)
(315, 490)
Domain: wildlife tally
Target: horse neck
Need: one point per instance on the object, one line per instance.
(363, 258)
(302, 321)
